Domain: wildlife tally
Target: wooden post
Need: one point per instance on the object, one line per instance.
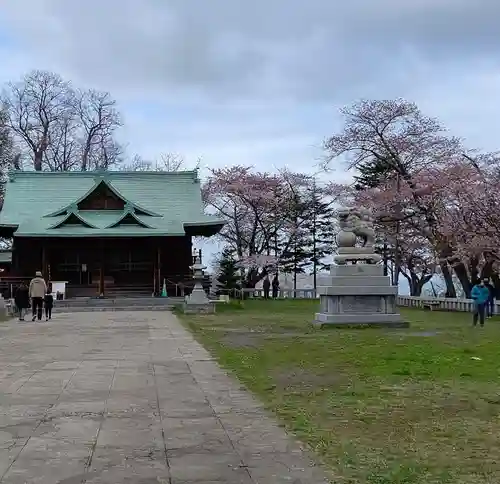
(43, 262)
(158, 268)
(102, 290)
(101, 281)
(154, 277)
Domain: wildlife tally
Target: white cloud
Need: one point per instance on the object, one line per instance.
(261, 82)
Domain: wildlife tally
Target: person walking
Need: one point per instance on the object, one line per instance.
(22, 300)
(266, 285)
(490, 305)
(480, 294)
(276, 286)
(37, 292)
(49, 304)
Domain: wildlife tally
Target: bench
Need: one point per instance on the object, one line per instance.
(430, 305)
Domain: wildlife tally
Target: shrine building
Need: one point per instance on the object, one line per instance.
(104, 232)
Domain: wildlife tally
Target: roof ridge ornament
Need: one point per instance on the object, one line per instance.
(102, 176)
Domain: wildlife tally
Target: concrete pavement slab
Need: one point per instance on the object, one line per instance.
(131, 397)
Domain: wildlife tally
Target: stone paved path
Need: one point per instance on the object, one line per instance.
(131, 397)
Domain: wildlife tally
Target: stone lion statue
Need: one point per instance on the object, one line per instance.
(354, 223)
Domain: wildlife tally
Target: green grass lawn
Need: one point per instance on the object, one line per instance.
(378, 406)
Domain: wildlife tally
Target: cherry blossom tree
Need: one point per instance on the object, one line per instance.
(409, 150)
(461, 196)
(252, 204)
(267, 214)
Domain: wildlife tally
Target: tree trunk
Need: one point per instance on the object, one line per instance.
(462, 275)
(418, 284)
(37, 162)
(487, 270)
(448, 279)
(474, 270)
(495, 279)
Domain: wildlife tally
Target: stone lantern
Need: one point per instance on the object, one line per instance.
(197, 301)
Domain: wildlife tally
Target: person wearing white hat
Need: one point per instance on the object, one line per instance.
(38, 288)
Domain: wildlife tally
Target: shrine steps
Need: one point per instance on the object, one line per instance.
(86, 304)
(112, 291)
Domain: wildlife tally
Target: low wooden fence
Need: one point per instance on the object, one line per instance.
(441, 303)
(437, 303)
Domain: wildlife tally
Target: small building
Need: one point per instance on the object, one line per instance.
(105, 231)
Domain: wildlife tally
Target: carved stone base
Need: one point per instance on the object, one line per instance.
(198, 295)
(358, 295)
(355, 254)
(360, 320)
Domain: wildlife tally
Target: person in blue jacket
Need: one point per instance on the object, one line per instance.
(480, 294)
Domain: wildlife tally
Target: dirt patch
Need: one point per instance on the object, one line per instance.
(294, 378)
(290, 335)
(243, 340)
(424, 334)
(255, 338)
(255, 329)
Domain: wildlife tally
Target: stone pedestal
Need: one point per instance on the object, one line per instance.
(358, 295)
(197, 301)
(3, 308)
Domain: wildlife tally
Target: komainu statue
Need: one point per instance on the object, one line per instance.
(355, 223)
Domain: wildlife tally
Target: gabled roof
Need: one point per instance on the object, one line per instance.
(129, 218)
(72, 218)
(99, 181)
(45, 204)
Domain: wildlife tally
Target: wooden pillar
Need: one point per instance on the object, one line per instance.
(158, 269)
(44, 262)
(155, 283)
(102, 290)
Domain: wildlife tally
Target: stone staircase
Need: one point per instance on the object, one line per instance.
(88, 304)
(112, 291)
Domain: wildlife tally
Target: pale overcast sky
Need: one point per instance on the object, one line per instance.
(261, 82)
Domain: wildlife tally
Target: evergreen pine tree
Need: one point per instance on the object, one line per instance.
(295, 257)
(319, 225)
(228, 278)
(372, 173)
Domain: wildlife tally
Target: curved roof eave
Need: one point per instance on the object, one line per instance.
(73, 214)
(129, 213)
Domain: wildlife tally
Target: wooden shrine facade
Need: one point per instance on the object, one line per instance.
(98, 265)
(105, 232)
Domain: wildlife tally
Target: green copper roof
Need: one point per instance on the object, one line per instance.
(156, 204)
(105, 180)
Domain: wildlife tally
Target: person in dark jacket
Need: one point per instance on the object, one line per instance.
(266, 285)
(22, 300)
(490, 304)
(276, 286)
(48, 301)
